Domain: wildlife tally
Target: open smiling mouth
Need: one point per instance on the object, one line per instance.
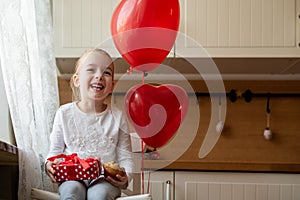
(97, 87)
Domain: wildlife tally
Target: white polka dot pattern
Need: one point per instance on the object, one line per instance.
(76, 172)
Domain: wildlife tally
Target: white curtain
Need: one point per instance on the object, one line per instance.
(30, 79)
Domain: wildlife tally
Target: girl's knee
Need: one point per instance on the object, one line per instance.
(72, 190)
(103, 195)
(103, 191)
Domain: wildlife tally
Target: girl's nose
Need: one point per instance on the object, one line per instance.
(98, 75)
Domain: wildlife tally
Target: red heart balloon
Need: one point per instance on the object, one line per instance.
(144, 31)
(156, 112)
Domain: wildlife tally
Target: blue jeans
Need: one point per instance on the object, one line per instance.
(81, 190)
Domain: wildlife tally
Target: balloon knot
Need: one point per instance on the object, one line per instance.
(129, 71)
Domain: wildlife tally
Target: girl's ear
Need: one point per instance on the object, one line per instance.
(76, 80)
(112, 86)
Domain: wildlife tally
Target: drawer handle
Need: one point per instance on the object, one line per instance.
(168, 190)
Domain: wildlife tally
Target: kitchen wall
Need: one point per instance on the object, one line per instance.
(241, 146)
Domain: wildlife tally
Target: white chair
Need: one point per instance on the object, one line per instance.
(38, 194)
(43, 195)
(127, 194)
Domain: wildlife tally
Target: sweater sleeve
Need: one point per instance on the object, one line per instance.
(124, 151)
(57, 144)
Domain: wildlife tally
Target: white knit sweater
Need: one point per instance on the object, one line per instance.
(103, 135)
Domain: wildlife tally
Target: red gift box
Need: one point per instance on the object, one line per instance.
(74, 168)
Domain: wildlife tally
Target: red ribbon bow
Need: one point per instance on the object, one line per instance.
(70, 160)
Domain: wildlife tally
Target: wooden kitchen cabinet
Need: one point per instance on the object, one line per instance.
(82, 24)
(231, 186)
(195, 185)
(240, 28)
(225, 28)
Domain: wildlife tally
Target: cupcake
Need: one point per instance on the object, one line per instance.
(112, 169)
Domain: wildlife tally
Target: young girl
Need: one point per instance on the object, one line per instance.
(92, 128)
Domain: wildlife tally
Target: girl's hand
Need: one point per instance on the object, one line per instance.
(50, 171)
(122, 181)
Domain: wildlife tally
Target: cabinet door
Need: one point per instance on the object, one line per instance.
(161, 185)
(82, 24)
(240, 28)
(232, 186)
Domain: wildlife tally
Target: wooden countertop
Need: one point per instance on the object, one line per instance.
(190, 165)
(8, 154)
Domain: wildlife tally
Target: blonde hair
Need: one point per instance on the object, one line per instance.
(76, 90)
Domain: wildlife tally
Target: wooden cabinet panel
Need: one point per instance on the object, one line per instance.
(231, 186)
(158, 185)
(240, 23)
(236, 28)
(225, 28)
(82, 24)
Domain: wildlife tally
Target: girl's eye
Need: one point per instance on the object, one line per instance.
(89, 70)
(107, 73)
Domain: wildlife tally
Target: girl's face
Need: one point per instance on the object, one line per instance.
(95, 77)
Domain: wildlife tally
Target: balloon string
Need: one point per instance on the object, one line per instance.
(129, 71)
(148, 189)
(143, 149)
(143, 78)
(143, 177)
